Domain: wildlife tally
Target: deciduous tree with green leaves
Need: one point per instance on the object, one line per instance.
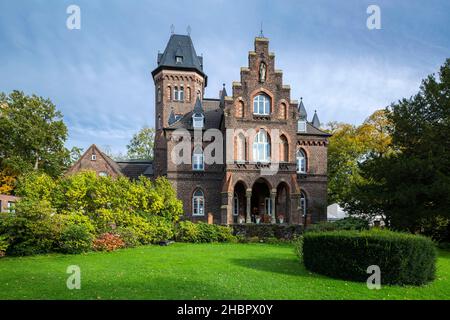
(141, 145)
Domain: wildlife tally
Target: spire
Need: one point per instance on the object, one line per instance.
(198, 108)
(315, 120)
(302, 110)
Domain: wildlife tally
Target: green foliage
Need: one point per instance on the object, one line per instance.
(349, 223)
(4, 244)
(141, 145)
(412, 184)
(402, 258)
(129, 236)
(187, 231)
(33, 135)
(76, 238)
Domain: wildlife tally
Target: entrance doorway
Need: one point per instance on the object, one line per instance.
(260, 201)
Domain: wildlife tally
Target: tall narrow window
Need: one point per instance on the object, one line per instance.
(235, 205)
(261, 147)
(198, 203)
(197, 159)
(181, 93)
(159, 94)
(284, 149)
(301, 126)
(303, 203)
(169, 93)
(175, 94)
(301, 161)
(188, 94)
(11, 207)
(261, 105)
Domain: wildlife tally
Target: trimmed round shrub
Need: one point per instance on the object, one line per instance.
(76, 239)
(403, 259)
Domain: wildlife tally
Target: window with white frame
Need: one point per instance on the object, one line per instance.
(198, 203)
(301, 126)
(197, 121)
(176, 96)
(103, 174)
(93, 157)
(303, 203)
(261, 105)
(261, 147)
(181, 94)
(301, 161)
(179, 59)
(197, 159)
(11, 207)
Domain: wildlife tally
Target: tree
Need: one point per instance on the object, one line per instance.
(410, 186)
(351, 145)
(32, 134)
(141, 145)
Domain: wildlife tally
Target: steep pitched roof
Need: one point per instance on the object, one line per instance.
(315, 121)
(212, 112)
(198, 108)
(135, 168)
(302, 110)
(180, 46)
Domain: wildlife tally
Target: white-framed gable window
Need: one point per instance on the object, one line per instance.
(197, 159)
(301, 161)
(261, 105)
(93, 157)
(261, 147)
(198, 203)
(301, 126)
(103, 174)
(198, 121)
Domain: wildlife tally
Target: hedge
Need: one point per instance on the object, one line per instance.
(403, 259)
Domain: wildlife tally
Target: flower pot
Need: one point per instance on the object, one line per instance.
(258, 220)
(281, 220)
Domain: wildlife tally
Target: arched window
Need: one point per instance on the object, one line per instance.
(261, 104)
(188, 94)
(240, 109)
(301, 161)
(303, 203)
(284, 149)
(181, 93)
(159, 94)
(261, 147)
(240, 148)
(283, 111)
(198, 203)
(197, 159)
(176, 97)
(169, 93)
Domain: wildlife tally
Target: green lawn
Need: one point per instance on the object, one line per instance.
(195, 271)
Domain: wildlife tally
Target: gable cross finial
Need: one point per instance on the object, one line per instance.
(188, 29)
(172, 28)
(261, 35)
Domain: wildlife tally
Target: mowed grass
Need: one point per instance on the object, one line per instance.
(195, 271)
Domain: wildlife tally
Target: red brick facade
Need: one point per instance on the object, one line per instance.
(239, 187)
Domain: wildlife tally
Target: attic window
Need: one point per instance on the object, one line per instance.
(179, 59)
(197, 121)
(93, 157)
(301, 126)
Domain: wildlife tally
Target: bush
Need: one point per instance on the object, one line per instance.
(129, 236)
(163, 229)
(350, 223)
(76, 238)
(108, 242)
(402, 258)
(187, 231)
(3, 245)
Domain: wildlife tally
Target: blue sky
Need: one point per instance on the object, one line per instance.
(99, 76)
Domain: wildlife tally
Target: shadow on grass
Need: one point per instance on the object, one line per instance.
(286, 266)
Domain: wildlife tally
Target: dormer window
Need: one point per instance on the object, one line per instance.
(179, 59)
(301, 126)
(198, 121)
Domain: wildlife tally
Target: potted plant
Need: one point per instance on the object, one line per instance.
(258, 219)
(241, 218)
(281, 218)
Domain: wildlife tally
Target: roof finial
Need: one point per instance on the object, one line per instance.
(223, 84)
(188, 29)
(261, 35)
(301, 98)
(172, 28)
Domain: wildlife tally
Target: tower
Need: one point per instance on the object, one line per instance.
(179, 79)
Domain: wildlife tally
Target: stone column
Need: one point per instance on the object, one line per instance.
(273, 195)
(248, 195)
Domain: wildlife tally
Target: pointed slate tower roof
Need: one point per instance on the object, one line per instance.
(223, 94)
(198, 108)
(302, 110)
(315, 120)
(179, 46)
